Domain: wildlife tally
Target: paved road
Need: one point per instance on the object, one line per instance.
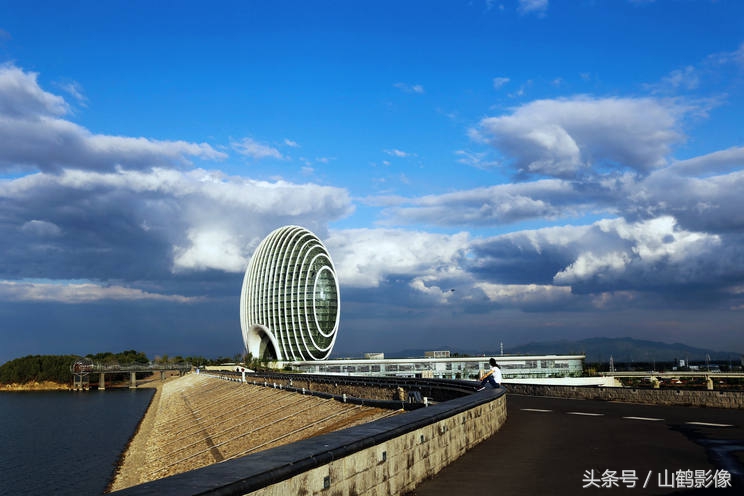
(550, 446)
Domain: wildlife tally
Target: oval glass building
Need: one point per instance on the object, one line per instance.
(290, 304)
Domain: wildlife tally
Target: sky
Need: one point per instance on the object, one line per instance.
(481, 172)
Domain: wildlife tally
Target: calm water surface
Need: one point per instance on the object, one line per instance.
(64, 442)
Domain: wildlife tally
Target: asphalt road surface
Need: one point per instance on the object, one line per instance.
(556, 446)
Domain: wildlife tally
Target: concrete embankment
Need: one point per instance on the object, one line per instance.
(197, 420)
(386, 456)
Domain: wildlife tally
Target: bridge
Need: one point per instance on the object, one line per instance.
(82, 368)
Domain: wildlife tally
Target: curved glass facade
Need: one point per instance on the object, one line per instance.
(290, 304)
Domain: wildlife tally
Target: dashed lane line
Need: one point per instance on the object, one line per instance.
(539, 410)
(587, 414)
(649, 419)
(709, 424)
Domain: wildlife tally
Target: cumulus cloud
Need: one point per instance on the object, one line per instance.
(565, 137)
(22, 97)
(210, 249)
(645, 254)
(493, 205)
(711, 204)
(148, 225)
(364, 258)
(652, 256)
(516, 295)
(712, 163)
(35, 135)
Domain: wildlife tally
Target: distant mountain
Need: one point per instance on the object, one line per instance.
(623, 350)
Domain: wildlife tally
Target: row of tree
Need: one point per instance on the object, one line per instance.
(39, 368)
(56, 368)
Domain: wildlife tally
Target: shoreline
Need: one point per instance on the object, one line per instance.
(35, 386)
(56, 386)
(131, 461)
(196, 421)
(117, 473)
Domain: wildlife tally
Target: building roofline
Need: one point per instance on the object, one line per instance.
(485, 358)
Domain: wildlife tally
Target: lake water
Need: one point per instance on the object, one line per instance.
(64, 442)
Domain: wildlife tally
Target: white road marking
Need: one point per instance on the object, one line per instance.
(650, 419)
(535, 410)
(586, 413)
(708, 424)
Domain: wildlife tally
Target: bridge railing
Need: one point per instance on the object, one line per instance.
(139, 367)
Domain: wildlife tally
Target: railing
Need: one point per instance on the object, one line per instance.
(138, 367)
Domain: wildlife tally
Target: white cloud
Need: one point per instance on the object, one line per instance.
(493, 205)
(76, 293)
(475, 159)
(735, 57)
(641, 248)
(75, 90)
(538, 7)
(398, 153)
(183, 221)
(410, 88)
(22, 97)
(713, 163)
(290, 143)
(564, 137)
(255, 150)
(366, 257)
(712, 203)
(34, 134)
(498, 82)
(686, 78)
(589, 264)
(524, 294)
(41, 228)
(210, 249)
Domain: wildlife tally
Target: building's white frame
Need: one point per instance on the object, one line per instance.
(279, 303)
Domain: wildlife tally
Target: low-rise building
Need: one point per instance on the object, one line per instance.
(512, 366)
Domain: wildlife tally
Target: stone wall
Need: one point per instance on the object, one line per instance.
(372, 391)
(679, 397)
(398, 465)
(377, 388)
(387, 456)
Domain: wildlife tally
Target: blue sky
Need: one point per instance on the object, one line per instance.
(571, 169)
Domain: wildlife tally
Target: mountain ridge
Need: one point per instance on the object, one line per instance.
(597, 349)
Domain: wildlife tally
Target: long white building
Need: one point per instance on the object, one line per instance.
(512, 366)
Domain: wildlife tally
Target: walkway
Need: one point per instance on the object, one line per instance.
(548, 445)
